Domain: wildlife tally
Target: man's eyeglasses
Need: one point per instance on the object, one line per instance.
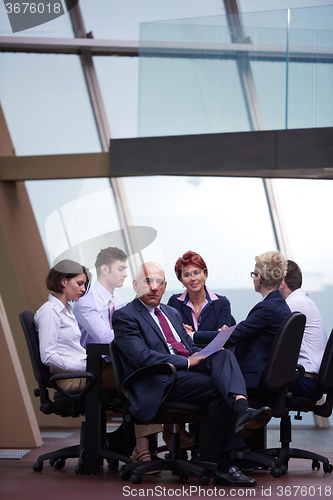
(253, 274)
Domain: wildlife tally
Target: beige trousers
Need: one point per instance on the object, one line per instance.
(108, 382)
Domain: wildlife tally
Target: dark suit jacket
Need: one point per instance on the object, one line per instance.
(254, 336)
(142, 343)
(216, 314)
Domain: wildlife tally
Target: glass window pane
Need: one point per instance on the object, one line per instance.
(307, 208)
(118, 79)
(77, 216)
(46, 104)
(205, 215)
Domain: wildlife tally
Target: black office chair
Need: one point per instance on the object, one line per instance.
(302, 404)
(278, 377)
(65, 403)
(168, 412)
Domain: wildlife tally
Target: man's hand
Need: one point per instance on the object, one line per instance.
(195, 360)
(224, 327)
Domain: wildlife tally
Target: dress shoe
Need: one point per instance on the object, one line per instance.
(252, 419)
(234, 477)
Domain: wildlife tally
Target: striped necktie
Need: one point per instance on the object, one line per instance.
(178, 347)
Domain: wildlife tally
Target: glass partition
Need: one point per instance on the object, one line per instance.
(115, 20)
(210, 75)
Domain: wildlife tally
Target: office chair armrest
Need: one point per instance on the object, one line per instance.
(90, 379)
(155, 369)
(325, 410)
(300, 370)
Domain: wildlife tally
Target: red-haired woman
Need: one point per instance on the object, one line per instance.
(202, 310)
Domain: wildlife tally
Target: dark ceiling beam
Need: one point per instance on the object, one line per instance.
(300, 154)
(303, 153)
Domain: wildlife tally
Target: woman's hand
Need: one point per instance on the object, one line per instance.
(189, 330)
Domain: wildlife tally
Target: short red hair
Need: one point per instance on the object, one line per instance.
(189, 258)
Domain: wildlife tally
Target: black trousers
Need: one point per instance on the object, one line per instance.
(213, 383)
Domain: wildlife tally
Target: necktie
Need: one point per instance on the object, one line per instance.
(111, 309)
(177, 346)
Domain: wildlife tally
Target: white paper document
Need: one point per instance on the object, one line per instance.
(217, 343)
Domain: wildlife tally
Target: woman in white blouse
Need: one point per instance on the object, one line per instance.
(59, 334)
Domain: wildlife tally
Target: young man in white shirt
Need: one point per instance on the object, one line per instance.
(93, 313)
(315, 336)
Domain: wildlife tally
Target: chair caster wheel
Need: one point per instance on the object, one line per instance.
(60, 464)
(283, 469)
(78, 469)
(52, 461)
(136, 478)
(125, 475)
(315, 465)
(204, 480)
(276, 472)
(113, 465)
(328, 468)
(38, 466)
(184, 475)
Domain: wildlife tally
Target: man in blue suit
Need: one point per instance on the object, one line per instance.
(142, 333)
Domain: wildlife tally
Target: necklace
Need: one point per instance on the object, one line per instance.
(198, 309)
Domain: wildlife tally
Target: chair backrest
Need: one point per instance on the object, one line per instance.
(41, 372)
(282, 359)
(325, 375)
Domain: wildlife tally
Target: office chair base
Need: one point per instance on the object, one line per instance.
(284, 455)
(183, 468)
(263, 459)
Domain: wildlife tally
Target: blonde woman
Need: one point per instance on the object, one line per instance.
(253, 337)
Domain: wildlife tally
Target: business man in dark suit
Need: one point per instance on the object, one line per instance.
(147, 333)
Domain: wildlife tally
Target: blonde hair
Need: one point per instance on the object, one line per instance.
(272, 267)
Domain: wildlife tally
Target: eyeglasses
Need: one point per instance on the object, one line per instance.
(253, 274)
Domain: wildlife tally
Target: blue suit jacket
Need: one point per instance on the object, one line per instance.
(142, 343)
(254, 336)
(216, 314)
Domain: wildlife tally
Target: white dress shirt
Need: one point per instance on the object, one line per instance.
(59, 337)
(315, 336)
(92, 312)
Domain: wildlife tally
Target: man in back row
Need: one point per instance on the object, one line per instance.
(148, 332)
(94, 312)
(314, 337)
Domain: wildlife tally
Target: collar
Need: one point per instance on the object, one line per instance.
(273, 294)
(103, 292)
(149, 308)
(58, 304)
(297, 292)
(210, 296)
